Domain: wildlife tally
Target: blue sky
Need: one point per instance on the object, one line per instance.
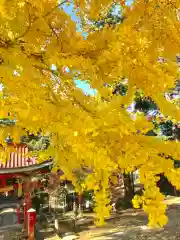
(80, 84)
(69, 10)
(85, 87)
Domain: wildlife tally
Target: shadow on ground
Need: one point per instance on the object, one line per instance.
(132, 224)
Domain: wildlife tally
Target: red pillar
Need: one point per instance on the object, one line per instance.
(28, 200)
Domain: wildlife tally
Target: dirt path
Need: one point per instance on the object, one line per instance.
(132, 224)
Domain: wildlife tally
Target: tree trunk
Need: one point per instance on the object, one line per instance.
(128, 186)
(122, 192)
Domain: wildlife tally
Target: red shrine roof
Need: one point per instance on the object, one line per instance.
(17, 159)
(20, 163)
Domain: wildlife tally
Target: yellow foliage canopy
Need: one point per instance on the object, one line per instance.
(87, 131)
